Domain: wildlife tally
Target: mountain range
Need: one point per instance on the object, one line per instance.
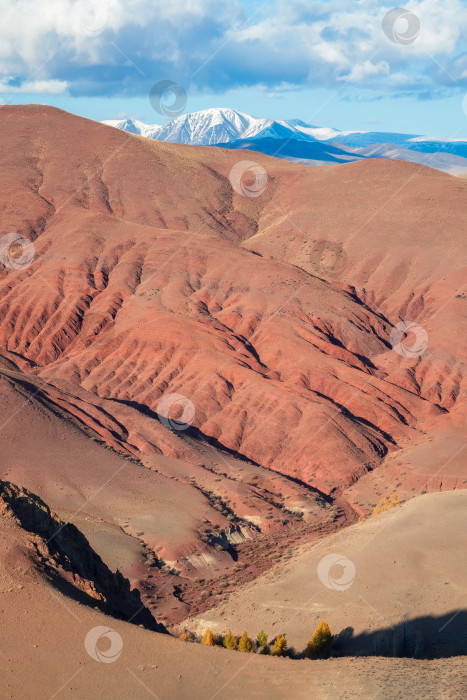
(295, 140)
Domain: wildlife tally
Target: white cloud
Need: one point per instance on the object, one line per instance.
(35, 87)
(106, 46)
(365, 70)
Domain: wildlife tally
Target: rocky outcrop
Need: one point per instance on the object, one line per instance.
(63, 553)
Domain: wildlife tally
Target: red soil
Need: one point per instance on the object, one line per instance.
(151, 276)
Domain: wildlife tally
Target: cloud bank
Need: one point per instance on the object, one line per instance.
(122, 47)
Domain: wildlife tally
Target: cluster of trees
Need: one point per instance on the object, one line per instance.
(319, 645)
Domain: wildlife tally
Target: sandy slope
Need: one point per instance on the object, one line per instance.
(52, 659)
(406, 564)
(43, 654)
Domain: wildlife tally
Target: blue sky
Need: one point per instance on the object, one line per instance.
(351, 65)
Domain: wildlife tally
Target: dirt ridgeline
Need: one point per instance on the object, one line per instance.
(64, 555)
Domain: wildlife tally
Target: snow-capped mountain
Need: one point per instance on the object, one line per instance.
(133, 126)
(298, 141)
(211, 127)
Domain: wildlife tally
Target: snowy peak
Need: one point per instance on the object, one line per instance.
(129, 125)
(133, 126)
(298, 140)
(213, 126)
(210, 127)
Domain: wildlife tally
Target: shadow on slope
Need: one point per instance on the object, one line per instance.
(427, 637)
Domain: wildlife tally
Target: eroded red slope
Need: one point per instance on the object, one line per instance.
(145, 283)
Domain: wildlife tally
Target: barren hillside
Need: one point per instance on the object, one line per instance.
(211, 370)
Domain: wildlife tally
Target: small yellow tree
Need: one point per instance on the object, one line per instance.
(262, 638)
(208, 638)
(386, 503)
(244, 644)
(321, 641)
(280, 645)
(186, 636)
(229, 641)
